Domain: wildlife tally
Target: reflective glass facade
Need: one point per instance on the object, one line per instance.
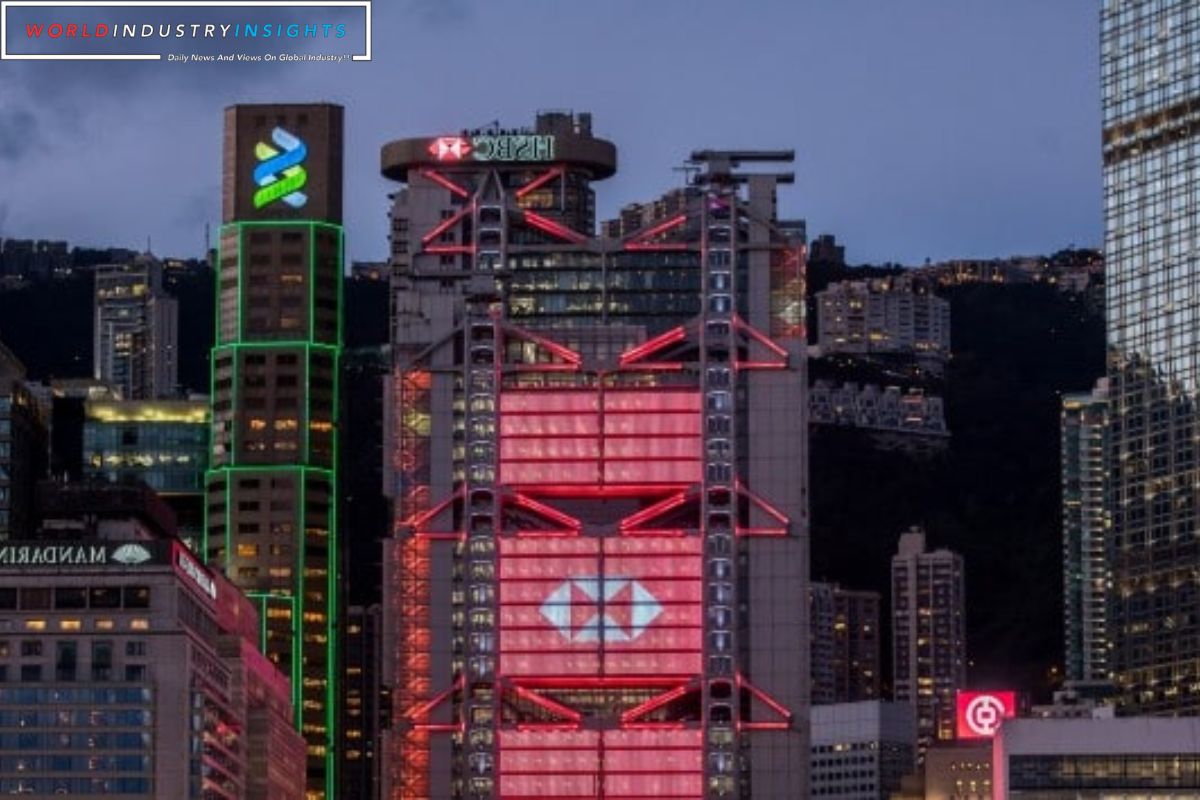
(1151, 94)
(164, 444)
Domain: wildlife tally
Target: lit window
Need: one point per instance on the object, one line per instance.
(35, 624)
(139, 624)
(70, 624)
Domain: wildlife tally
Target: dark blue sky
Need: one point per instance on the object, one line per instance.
(923, 128)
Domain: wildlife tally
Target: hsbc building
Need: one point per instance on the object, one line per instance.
(596, 581)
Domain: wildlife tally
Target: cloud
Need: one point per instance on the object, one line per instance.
(18, 129)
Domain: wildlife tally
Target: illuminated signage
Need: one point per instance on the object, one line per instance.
(13, 555)
(280, 175)
(592, 608)
(196, 573)
(130, 554)
(493, 147)
(980, 713)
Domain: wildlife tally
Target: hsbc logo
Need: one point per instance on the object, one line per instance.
(591, 609)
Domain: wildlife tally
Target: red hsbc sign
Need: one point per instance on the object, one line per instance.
(589, 606)
(979, 714)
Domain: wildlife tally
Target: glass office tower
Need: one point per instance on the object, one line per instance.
(271, 490)
(1151, 99)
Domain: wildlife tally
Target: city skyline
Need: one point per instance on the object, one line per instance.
(883, 161)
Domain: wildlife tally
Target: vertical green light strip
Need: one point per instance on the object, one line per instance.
(298, 606)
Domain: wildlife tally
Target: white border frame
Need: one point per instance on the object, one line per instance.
(6, 4)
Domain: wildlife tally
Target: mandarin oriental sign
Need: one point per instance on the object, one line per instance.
(75, 554)
(493, 147)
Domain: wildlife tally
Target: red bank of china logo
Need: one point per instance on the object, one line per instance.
(588, 609)
(980, 713)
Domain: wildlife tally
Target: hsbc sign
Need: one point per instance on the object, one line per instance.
(493, 147)
(979, 714)
(609, 609)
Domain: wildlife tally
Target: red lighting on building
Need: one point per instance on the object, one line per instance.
(450, 148)
(980, 714)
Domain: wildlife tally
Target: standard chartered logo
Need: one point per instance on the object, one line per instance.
(280, 174)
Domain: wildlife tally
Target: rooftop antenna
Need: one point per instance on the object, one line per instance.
(690, 170)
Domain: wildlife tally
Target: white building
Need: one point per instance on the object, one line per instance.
(861, 750)
(1081, 759)
(136, 335)
(883, 315)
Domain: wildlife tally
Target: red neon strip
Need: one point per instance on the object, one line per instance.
(764, 726)
(547, 534)
(774, 704)
(419, 520)
(439, 536)
(653, 703)
(740, 531)
(553, 228)
(649, 346)
(662, 227)
(439, 727)
(616, 682)
(547, 511)
(565, 353)
(750, 330)
(759, 365)
(425, 708)
(658, 509)
(444, 182)
(672, 366)
(548, 704)
(763, 504)
(538, 182)
(444, 225)
(547, 726)
(656, 248)
(450, 249)
(608, 490)
(654, 726)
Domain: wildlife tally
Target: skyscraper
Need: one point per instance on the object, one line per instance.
(271, 490)
(596, 585)
(845, 644)
(1086, 534)
(929, 658)
(136, 335)
(1151, 142)
(23, 451)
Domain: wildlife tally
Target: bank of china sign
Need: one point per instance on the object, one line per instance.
(72, 555)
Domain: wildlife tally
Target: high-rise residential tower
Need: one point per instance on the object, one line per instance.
(1151, 140)
(929, 648)
(1086, 534)
(845, 644)
(271, 489)
(136, 330)
(597, 581)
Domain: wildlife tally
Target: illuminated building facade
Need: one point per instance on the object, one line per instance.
(596, 584)
(1086, 534)
(1151, 143)
(883, 315)
(271, 488)
(929, 643)
(162, 442)
(128, 669)
(862, 750)
(136, 335)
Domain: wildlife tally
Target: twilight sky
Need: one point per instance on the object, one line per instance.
(923, 128)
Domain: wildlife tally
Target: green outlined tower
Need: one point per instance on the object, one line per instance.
(272, 489)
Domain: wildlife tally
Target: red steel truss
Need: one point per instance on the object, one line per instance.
(583, 577)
